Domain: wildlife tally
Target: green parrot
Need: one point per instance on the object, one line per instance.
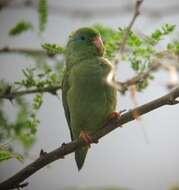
(88, 93)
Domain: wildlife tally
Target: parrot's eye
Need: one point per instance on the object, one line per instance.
(82, 38)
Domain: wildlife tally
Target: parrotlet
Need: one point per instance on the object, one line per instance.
(89, 98)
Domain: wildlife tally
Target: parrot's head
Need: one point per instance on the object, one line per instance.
(85, 43)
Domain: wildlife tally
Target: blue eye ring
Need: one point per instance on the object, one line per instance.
(80, 39)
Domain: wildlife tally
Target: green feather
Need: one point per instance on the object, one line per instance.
(88, 98)
(80, 155)
(65, 87)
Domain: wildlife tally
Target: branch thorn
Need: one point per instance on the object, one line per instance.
(42, 152)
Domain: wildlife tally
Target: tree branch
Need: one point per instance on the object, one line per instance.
(8, 94)
(25, 51)
(59, 153)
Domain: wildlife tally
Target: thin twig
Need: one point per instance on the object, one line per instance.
(59, 153)
(123, 86)
(128, 29)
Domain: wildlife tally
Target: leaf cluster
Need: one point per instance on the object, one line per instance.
(140, 50)
(43, 14)
(53, 49)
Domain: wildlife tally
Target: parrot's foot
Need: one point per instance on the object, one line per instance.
(84, 135)
(114, 115)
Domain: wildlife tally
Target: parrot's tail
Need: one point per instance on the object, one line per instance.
(80, 155)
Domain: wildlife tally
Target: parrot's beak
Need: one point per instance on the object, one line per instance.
(99, 44)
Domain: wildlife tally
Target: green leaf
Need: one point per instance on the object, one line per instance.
(43, 14)
(134, 40)
(20, 27)
(173, 47)
(19, 157)
(27, 139)
(159, 33)
(53, 48)
(168, 28)
(135, 64)
(142, 85)
(37, 101)
(29, 80)
(6, 155)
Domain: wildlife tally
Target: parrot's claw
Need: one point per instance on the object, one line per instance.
(42, 152)
(84, 135)
(114, 115)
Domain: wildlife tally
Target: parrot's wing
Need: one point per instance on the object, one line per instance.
(65, 88)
